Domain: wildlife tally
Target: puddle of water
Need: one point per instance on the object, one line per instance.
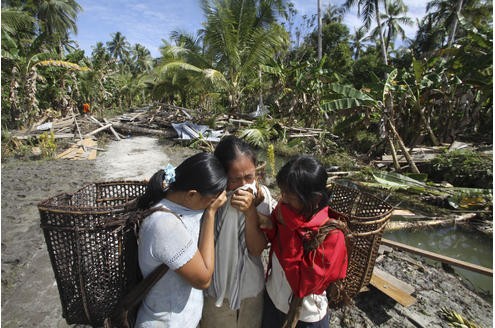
(457, 243)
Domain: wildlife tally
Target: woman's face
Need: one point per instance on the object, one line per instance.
(201, 202)
(241, 171)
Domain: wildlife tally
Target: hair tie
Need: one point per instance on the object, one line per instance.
(169, 176)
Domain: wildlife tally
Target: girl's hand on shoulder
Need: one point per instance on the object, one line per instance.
(260, 197)
(218, 202)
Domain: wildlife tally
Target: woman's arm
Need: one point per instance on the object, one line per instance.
(255, 238)
(199, 270)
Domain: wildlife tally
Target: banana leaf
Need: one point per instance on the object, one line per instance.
(398, 181)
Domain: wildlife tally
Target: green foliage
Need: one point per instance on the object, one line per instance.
(47, 144)
(366, 67)
(339, 158)
(258, 134)
(363, 141)
(462, 168)
(13, 147)
(270, 155)
(455, 319)
(289, 148)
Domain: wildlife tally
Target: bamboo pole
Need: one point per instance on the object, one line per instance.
(398, 225)
(439, 257)
(97, 130)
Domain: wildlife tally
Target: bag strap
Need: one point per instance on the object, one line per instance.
(139, 291)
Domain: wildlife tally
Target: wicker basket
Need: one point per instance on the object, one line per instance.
(92, 247)
(366, 217)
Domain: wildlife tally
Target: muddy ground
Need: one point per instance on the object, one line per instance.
(29, 295)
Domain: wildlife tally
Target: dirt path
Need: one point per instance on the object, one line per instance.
(30, 296)
(29, 293)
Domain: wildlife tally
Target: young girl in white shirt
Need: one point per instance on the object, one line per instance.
(194, 191)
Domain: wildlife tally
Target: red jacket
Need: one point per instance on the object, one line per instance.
(307, 272)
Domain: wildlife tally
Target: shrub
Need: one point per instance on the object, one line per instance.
(462, 168)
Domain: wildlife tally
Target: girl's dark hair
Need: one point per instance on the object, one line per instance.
(230, 147)
(305, 177)
(202, 172)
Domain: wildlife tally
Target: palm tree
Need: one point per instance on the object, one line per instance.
(240, 36)
(118, 46)
(16, 24)
(393, 18)
(357, 41)
(141, 59)
(57, 18)
(446, 13)
(183, 71)
(369, 9)
(100, 53)
(429, 37)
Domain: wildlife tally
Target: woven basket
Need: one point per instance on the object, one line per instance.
(366, 217)
(92, 247)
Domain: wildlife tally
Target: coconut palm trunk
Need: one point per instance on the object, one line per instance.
(454, 24)
(382, 39)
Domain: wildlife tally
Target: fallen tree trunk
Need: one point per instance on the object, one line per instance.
(399, 225)
(132, 129)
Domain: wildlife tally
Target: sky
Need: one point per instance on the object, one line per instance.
(148, 22)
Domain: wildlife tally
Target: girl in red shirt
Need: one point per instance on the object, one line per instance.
(298, 272)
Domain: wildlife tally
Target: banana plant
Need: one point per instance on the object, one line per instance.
(417, 93)
(347, 97)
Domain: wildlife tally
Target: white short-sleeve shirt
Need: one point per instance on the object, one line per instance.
(314, 307)
(164, 238)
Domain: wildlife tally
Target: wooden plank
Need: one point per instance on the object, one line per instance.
(97, 130)
(56, 136)
(116, 135)
(404, 286)
(92, 154)
(439, 257)
(390, 289)
(68, 151)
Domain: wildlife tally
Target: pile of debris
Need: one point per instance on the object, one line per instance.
(161, 120)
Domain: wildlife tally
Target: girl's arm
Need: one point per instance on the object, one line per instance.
(244, 201)
(199, 270)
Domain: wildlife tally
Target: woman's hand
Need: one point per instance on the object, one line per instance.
(243, 200)
(218, 202)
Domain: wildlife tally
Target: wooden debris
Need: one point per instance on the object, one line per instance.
(393, 287)
(116, 135)
(78, 130)
(85, 149)
(432, 222)
(56, 136)
(129, 128)
(97, 130)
